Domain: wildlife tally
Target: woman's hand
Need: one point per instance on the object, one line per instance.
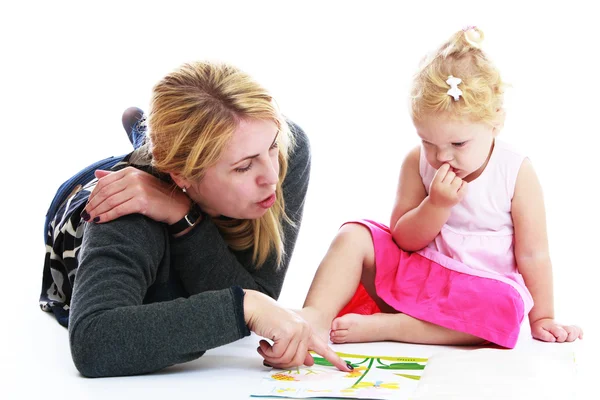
(548, 330)
(292, 336)
(131, 191)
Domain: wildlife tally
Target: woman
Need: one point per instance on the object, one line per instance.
(209, 209)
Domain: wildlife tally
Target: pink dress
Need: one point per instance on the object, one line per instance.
(467, 278)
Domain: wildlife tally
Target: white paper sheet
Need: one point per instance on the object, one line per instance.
(499, 374)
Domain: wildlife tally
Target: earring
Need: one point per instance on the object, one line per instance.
(184, 189)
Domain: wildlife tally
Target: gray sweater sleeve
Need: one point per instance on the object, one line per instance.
(112, 332)
(205, 261)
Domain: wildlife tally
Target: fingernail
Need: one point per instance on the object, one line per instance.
(350, 367)
(96, 219)
(85, 215)
(267, 365)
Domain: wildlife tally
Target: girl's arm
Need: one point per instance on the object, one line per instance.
(416, 220)
(533, 257)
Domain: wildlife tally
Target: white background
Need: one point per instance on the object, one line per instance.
(341, 70)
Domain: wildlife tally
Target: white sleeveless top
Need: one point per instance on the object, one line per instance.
(480, 232)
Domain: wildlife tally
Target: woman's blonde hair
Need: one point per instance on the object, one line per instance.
(482, 89)
(194, 112)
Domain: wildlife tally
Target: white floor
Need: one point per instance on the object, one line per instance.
(41, 366)
(341, 70)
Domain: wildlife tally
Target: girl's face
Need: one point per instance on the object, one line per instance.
(242, 183)
(466, 146)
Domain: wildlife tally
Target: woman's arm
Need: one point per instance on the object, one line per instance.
(113, 333)
(533, 257)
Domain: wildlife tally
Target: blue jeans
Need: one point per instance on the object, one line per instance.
(137, 136)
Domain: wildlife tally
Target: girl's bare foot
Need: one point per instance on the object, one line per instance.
(354, 328)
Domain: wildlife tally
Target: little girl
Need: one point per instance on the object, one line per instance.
(465, 258)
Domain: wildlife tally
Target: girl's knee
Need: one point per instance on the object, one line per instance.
(359, 237)
(354, 232)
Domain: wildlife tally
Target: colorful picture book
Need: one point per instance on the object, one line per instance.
(373, 377)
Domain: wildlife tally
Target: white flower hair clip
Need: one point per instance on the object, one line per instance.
(454, 91)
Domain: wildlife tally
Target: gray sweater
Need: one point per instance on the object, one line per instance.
(144, 300)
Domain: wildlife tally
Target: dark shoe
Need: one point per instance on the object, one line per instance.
(134, 124)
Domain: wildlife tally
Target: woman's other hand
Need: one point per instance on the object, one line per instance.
(132, 191)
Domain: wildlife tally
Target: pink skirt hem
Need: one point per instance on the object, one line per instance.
(432, 287)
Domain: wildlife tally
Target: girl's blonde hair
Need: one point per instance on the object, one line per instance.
(194, 112)
(482, 89)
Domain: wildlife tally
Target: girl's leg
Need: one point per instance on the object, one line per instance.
(350, 259)
(396, 327)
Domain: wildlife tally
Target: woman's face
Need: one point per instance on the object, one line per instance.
(242, 183)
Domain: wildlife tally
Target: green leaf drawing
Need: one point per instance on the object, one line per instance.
(413, 366)
(413, 377)
(322, 361)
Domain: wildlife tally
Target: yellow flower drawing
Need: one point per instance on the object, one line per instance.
(358, 371)
(283, 377)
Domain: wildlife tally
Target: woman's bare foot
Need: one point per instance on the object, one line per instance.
(318, 321)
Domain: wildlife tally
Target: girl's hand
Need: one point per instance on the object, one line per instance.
(292, 336)
(130, 191)
(548, 330)
(446, 189)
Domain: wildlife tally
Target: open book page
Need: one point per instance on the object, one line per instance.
(373, 377)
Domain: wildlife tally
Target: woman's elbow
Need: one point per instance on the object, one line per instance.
(87, 358)
(91, 354)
